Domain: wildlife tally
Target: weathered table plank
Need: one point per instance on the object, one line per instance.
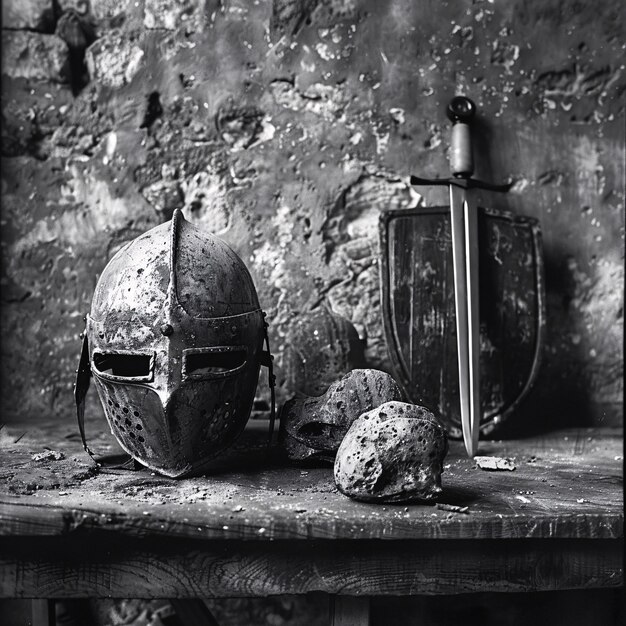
(96, 565)
(567, 485)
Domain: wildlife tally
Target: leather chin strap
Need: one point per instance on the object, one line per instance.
(267, 360)
(81, 387)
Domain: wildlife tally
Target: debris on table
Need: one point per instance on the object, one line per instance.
(494, 463)
(48, 455)
(453, 507)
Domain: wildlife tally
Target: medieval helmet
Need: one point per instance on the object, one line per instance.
(174, 341)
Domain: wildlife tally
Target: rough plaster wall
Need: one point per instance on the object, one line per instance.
(285, 126)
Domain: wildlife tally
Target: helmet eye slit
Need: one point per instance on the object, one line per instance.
(214, 362)
(124, 366)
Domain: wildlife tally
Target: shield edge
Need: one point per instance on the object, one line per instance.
(489, 422)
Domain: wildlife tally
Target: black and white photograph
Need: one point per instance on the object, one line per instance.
(312, 312)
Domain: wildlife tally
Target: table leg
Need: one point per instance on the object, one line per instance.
(349, 611)
(42, 612)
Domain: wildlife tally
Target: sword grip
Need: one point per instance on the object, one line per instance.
(460, 111)
(461, 160)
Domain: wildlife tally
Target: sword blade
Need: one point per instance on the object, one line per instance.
(464, 222)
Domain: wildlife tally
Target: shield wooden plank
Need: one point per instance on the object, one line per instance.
(417, 289)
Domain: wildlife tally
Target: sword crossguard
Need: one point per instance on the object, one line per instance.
(465, 183)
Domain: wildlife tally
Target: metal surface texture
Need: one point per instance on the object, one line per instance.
(464, 221)
(175, 339)
(314, 427)
(419, 317)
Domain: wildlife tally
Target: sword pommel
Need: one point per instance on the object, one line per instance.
(460, 111)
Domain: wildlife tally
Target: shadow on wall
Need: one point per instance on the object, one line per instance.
(560, 397)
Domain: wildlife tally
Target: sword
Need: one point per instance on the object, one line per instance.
(464, 225)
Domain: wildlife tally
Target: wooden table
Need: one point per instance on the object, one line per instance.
(258, 527)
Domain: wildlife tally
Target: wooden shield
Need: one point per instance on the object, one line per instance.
(417, 286)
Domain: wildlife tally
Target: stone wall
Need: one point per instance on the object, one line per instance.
(284, 126)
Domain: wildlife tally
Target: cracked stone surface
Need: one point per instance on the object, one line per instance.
(286, 126)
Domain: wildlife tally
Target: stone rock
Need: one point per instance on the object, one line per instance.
(27, 14)
(313, 428)
(34, 56)
(239, 126)
(393, 453)
(164, 196)
(167, 15)
(112, 60)
(326, 101)
(289, 16)
(206, 201)
(100, 9)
